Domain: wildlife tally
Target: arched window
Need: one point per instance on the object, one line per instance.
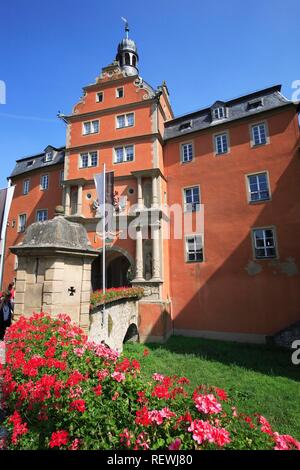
(134, 60)
(127, 59)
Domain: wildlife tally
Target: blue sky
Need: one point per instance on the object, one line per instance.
(205, 50)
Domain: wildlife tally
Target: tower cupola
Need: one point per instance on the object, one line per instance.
(127, 55)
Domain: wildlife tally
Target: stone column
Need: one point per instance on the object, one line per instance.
(79, 199)
(154, 192)
(155, 252)
(68, 200)
(139, 255)
(139, 192)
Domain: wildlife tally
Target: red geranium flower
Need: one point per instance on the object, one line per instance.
(58, 439)
(78, 405)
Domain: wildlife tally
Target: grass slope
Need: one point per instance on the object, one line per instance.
(261, 378)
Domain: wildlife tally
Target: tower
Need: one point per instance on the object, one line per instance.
(127, 55)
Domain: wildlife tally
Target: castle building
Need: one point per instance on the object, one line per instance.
(234, 166)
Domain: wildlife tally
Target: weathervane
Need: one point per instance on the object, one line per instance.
(126, 26)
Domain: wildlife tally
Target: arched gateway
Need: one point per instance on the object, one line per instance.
(119, 268)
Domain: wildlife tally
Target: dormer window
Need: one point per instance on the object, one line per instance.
(48, 157)
(218, 113)
(29, 164)
(255, 104)
(185, 125)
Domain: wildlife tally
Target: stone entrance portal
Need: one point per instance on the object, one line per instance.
(119, 269)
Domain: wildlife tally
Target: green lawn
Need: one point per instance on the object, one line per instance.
(262, 378)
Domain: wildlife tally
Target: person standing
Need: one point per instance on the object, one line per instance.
(6, 313)
(11, 289)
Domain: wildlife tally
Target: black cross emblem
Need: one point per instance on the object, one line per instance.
(72, 291)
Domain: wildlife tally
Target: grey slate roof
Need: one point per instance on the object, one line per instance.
(236, 109)
(38, 160)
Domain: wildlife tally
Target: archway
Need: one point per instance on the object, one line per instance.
(119, 269)
(132, 334)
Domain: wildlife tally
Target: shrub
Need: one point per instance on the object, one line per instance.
(115, 293)
(62, 392)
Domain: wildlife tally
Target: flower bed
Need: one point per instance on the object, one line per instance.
(115, 293)
(62, 392)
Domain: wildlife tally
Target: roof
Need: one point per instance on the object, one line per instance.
(236, 108)
(24, 165)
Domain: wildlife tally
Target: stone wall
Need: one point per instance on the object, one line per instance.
(112, 326)
(54, 285)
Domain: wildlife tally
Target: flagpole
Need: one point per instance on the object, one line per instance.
(4, 229)
(103, 241)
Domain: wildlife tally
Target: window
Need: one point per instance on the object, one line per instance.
(187, 152)
(16, 263)
(26, 186)
(88, 160)
(218, 113)
(42, 215)
(255, 104)
(125, 120)
(194, 248)
(90, 127)
(259, 135)
(192, 199)
(99, 97)
(185, 125)
(120, 92)
(29, 164)
(258, 187)
(44, 182)
(124, 154)
(48, 157)
(221, 144)
(22, 222)
(264, 243)
(62, 177)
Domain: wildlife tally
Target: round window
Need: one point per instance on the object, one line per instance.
(89, 196)
(130, 191)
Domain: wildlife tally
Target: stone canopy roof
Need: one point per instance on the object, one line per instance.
(57, 233)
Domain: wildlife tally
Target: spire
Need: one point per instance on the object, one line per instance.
(126, 26)
(127, 55)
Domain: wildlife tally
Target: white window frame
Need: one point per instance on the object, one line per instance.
(275, 244)
(61, 177)
(37, 213)
(90, 157)
(26, 186)
(257, 124)
(186, 246)
(117, 92)
(182, 145)
(256, 201)
(195, 205)
(97, 96)
(124, 160)
(125, 116)
(216, 113)
(215, 137)
(92, 127)
(48, 157)
(22, 228)
(43, 178)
